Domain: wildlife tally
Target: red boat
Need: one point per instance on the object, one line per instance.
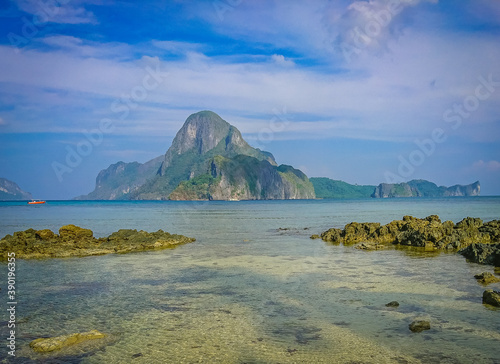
(34, 202)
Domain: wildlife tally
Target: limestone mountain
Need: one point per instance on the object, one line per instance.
(208, 159)
(11, 191)
(245, 178)
(423, 188)
(120, 179)
(328, 188)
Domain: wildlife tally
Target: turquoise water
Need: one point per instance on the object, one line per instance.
(253, 288)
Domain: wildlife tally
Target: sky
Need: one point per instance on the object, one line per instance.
(360, 91)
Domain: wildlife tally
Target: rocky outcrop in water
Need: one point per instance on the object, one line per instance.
(483, 253)
(45, 345)
(76, 241)
(419, 326)
(486, 278)
(429, 233)
(491, 297)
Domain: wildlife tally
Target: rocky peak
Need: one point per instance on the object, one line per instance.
(204, 131)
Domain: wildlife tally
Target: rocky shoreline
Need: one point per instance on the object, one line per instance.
(477, 241)
(74, 241)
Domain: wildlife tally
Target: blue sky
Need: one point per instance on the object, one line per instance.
(362, 91)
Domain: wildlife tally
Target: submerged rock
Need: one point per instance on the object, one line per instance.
(483, 253)
(45, 345)
(392, 304)
(491, 297)
(486, 278)
(76, 241)
(419, 326)
(370, 246)
(429, 233)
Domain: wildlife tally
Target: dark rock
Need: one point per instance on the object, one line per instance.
(72, 233)
(491, 297)
(429, 233)
(486, 278)
(356, 232)
(332, 235)
(138, 355)
(45, 234)
(419, 326)
(371, 246)
(392, 304)
(482, 253)
(76, 241)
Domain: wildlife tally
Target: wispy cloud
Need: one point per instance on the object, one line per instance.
(280, 60)
(179, 48)
(421, 59)
(376, 97)
(67, 12)
(369, 26)
(490, 166)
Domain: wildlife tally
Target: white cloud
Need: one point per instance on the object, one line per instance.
(387, 97)
(175, 47)
(281, 60)
(77, 47)
(63, 41)
(50, 11)
(490, 166)
(367, 27)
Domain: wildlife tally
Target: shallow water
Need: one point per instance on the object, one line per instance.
(254, 288)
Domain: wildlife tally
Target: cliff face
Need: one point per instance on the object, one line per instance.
(120, 179)
(206, 133)
(245, 178)
(11, 191)
(208, 159)
(422, 188)
(473, 189)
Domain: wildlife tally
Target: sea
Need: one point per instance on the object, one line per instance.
(252, 288)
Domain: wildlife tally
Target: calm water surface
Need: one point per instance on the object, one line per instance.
(253, 288)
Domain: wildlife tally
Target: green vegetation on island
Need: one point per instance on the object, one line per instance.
(328, 188)
(423, 188)
(208, 159)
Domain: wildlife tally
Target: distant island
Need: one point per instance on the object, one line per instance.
(328, 188)
(10, 191)
(208, 160)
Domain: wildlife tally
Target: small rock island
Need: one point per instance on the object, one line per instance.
(74, 241)
(479, 242)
